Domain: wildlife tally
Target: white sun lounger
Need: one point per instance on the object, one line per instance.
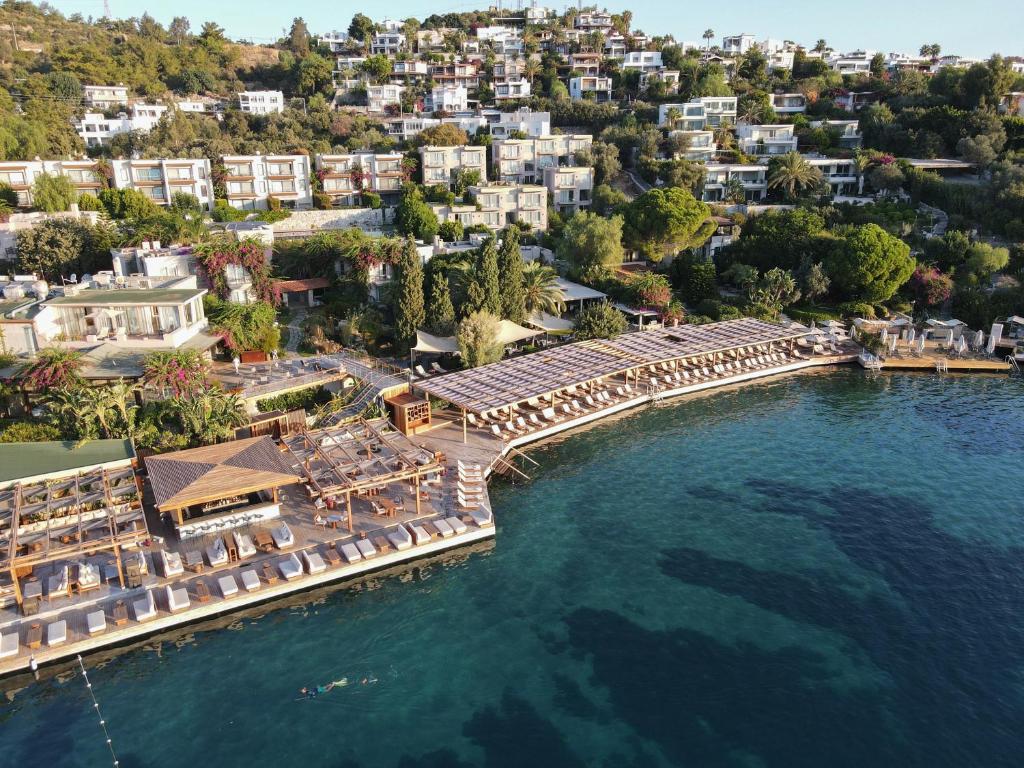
(421, 372)
(419, 533)
(456, 524)
(96, 622)
(290, 567)
(177, 598)
(443, 528)
(400, 538)
(482, 516)
(366, 548)
(250, 581)
(436, 367)
(145, 607)
(282, 536)
(228, 585)
(314, 563)
(57, 633)
(9, 645)
(216, 553)
(245, 546)
(350, 552)
(170, 563)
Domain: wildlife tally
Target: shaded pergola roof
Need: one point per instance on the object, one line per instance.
(120, 297)
(519, 379)
(358, 455)
(212, 472)
(302, 284)
(575, 292)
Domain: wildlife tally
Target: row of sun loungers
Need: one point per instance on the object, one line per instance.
(423, 373)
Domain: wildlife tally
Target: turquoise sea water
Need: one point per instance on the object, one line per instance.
(822, 570)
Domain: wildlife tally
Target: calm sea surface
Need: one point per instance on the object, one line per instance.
(824, 570)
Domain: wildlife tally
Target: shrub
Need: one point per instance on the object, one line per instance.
(809, 314)
(222, 212)
(857, 309)
(451, 231)
(372, 200)
(322, 201)
(28, 432)
(273, 204)
(599, 321)
(306, 399)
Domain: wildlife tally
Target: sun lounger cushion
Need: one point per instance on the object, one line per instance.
(250, 581)
(9, 645)
(290, 567)
(419, 533)
(216, 553)
(314, 563)
(482, 517)
(400, 538)
(228, 585)
(177, 598)
(171, 562)
(57, 633)
(456, 524)
(88, 576)
(96, 622)
(443, 528)
(145, 607)
(245, 546)
(282, 536)
(351, 552)
(366, 548)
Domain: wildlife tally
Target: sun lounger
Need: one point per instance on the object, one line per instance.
(170, 563)
(216, 553)
(536, 422)
(590, 401)
(521, 423)
(227, 585)
(350, 551)
(420, 372)
(250, 581)
(566, 410)
(496, 430)
(290, 567)
(96, 622)
(366, 548)
(145, 607)
(468, 503)
(9, 645)
(177, 598)
(550, 415)
(436, 367)
(400, 538)
(482, 517)
(419, 533)
(314, 563)
(245, 546)
(57, 633)
(456, 524)
(282, 536)
(443, 528)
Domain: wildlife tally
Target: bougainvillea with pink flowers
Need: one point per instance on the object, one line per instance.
(931, 286)
(181, 372)
(213, 258)
(53, 367)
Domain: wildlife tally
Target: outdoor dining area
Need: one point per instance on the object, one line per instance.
(559, 386)
(367, 467)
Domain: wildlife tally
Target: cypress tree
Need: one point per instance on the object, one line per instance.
(440, 312)
(409, 314)
(487, 277)
(510, 268)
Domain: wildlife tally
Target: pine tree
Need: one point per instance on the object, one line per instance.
(510, 268)
(487, 277)
(408, 308)
(440, 312)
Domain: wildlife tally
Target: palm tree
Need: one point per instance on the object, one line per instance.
(861, 162)
(820, 46)
(673, 116)
(791, 173)
(531, 70)
(709, 35)
(210, 414)
(724, 137)
(542, 291)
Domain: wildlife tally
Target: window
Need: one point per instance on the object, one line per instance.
(279, 169)
(278, 186)
(180, 173)
(12, 177)
(148, 174)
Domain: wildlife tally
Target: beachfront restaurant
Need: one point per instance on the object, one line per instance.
(368, 463)
(571, 383)
(217, 488)
(71, 519)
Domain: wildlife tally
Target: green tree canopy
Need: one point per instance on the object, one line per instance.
(409, 301)
(53, 193)
(414, 216)
(868, 264)
(478, 339)
(440, 318)
(488, 277)
(666, 221)
(591, 244)
(510, 277)
(599, 321)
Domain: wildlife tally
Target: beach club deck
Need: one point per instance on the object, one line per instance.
(526, 398)
(244, 522)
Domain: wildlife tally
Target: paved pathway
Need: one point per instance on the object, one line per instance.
(294, 327)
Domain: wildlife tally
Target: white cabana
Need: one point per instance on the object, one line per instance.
(429, 344)
(637, 313)
(549, 323)
(575, 292)
(511, 333)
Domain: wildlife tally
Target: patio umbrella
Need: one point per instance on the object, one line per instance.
(910, 336)
(979, 339)
(920, 343)
(962, 345)
(892, 343)
(853, 332)
(885, 336)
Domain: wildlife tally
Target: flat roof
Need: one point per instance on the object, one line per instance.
(24, 461)
(519, 379)
(119, 297)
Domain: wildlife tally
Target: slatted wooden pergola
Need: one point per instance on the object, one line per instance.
(69, 517)
(358, 457)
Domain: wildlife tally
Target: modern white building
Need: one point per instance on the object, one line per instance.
(442, 165)
(95, 129)
(251, 180)
(380, 97)
(645, 61)
(261, 102)
(498, 205)
(346, 176)
(737, 45)
(600, 87)
(840, 173)
(105, 96)
(571, 187)
(464, 73)
(700, 145)
(753, 179)
(523, 120)
(765, 140)
(447, 98)
(847, 132)
(594, 21)
(512, 89)
(788, 103)
(852, 63)
(387, 43)
(524, 161)
(336, 41)
(854, 101)
(719, 109)
(690, 116)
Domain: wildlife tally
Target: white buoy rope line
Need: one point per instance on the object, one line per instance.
(96, 707)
